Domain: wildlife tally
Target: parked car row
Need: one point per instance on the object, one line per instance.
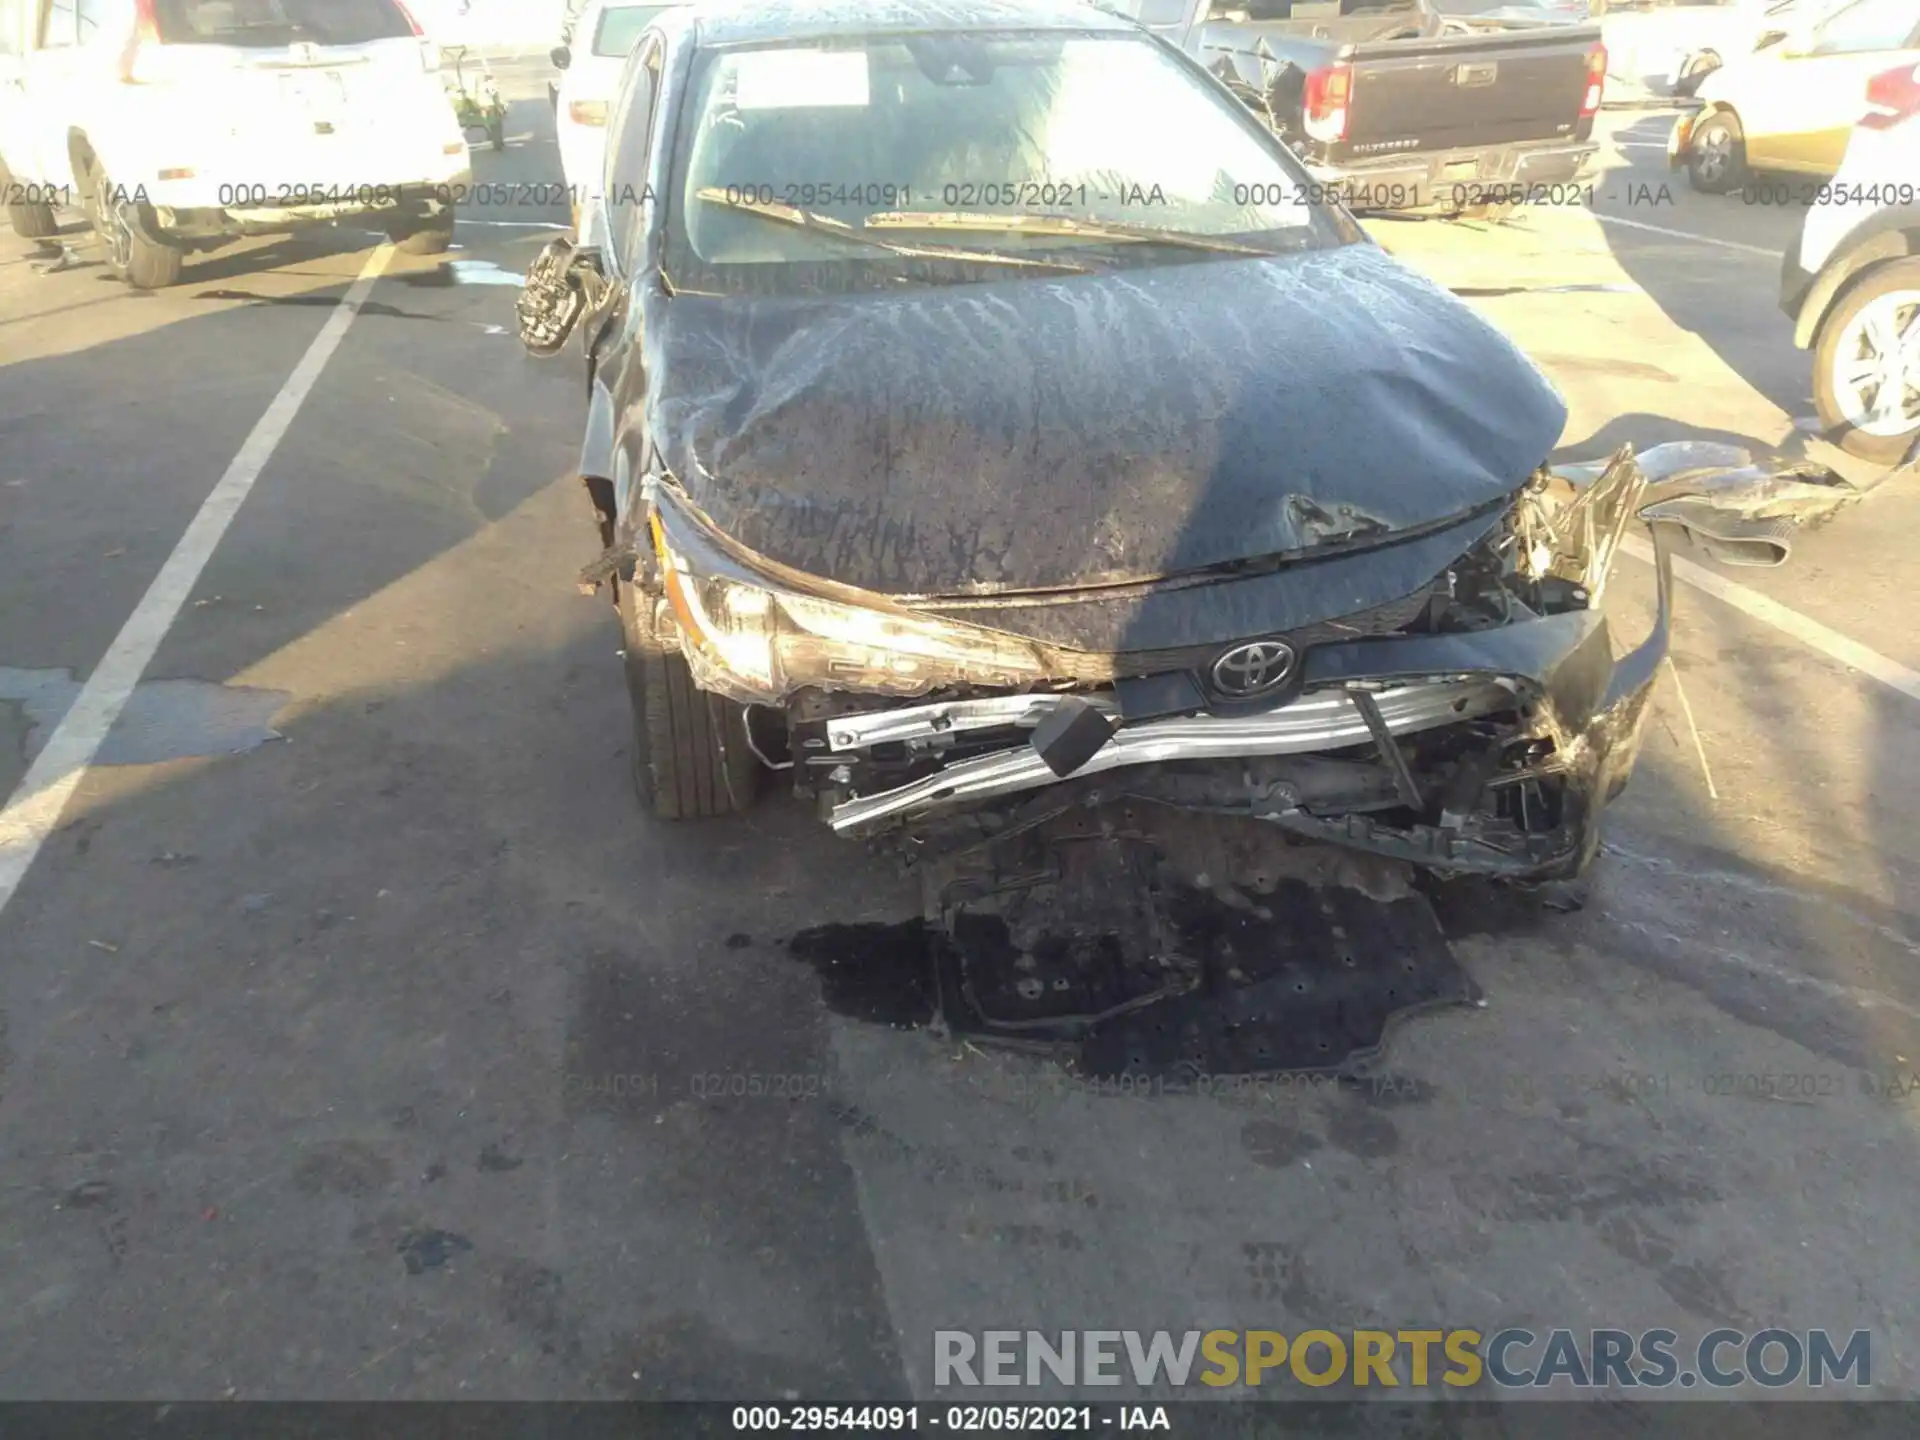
(1402, 105)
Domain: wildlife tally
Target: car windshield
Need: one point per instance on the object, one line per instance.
(1078, 151)
(275, 23)
(620, 28)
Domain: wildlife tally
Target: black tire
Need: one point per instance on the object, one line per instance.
(690, 756)
(153, 265)
(123, 227)
(423, 237)
(33, 222)
(1717, 154)
(1875, 285)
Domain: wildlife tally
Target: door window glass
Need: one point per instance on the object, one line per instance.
(628, 159)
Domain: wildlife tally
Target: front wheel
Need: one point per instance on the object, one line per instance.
(690, 754)
(1717, 155)
(1866, 365)
(120, 222)
(497, 132)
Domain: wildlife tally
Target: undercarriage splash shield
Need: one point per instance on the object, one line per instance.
(1311, 980)
(1107, 940)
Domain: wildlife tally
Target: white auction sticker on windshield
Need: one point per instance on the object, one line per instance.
(799, 79)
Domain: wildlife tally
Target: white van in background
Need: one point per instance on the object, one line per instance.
(591, 64)
(179, 124)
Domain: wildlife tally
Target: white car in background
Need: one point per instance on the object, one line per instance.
(1756, 27)
(179, 124)
(1667, 47)
(591, 65)
(1851, 282)
(1791, 106)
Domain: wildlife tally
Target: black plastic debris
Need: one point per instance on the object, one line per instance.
(1104, 948)
(1071, 735)
(1313, 984)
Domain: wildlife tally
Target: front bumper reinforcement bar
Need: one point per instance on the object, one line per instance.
(1320, 720)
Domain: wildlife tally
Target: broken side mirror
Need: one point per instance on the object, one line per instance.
(561, 56)
(564, 281)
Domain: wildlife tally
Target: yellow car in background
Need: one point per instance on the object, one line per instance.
(1790, 105)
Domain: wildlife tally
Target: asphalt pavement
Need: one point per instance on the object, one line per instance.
(359, 1039)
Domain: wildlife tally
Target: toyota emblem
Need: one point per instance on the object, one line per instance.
(1252, 669)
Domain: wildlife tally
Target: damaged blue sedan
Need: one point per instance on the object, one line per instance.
(987, 416)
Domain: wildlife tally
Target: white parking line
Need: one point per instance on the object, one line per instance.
(1808, 632)
(1685, 235)
(57, 771)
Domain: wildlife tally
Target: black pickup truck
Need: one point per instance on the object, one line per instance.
(1407, 105)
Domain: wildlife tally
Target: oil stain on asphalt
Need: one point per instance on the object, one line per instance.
(163, 719)
(1309, 979)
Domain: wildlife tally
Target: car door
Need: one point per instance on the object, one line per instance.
(68, 75)
(1816, 89)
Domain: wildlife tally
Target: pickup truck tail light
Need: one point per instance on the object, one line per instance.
(1892, 96)
(587, 112)
(1326, 94)
(1596, 82)
(146, 33)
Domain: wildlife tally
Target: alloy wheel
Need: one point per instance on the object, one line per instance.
(1876, 366)
(1714, 152)
(112, 221)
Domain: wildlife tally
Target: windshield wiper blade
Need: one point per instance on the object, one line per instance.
(826, 224)
(1054, 225)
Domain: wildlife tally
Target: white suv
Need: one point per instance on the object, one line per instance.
(1851, 282)
(178, 124)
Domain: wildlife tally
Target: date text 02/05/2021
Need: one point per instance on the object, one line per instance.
(960, 1419)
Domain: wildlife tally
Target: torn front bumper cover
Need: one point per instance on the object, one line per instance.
(1487, 751)
(1553, 680)
(1486, 746)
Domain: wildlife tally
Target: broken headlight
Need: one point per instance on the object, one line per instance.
(758, 641)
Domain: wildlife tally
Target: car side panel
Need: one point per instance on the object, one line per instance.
(1891, 234)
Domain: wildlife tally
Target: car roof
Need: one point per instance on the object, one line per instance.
(716, 23)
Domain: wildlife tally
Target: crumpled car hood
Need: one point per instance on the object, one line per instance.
(1091, 430)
